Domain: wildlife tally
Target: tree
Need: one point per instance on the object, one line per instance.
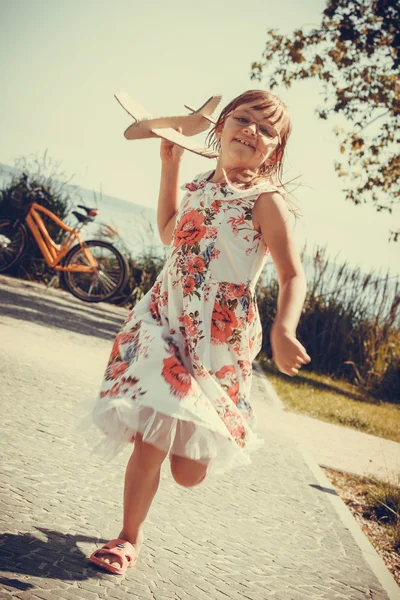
(355, 53)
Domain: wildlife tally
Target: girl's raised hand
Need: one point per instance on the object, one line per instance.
(169, 152)
(287, 352)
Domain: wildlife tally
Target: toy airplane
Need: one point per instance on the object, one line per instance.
(146, 126)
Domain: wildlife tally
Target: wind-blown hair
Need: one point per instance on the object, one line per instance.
(276, 113)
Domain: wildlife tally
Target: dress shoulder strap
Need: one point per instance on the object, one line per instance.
(227, 190)
(198, 182)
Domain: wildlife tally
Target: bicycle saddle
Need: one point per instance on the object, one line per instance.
(91, 212)
(82, 218)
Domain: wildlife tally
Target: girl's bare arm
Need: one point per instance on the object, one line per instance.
(168, 201)
(272, 218)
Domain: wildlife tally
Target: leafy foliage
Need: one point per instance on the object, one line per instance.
(143, 272)
(22, 191)
(29, 185)
(355, 53)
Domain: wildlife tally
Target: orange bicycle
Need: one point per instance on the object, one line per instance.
(92, 270)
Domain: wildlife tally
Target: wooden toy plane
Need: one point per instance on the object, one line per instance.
(146, 126)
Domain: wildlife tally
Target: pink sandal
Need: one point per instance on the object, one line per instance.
(124, 552)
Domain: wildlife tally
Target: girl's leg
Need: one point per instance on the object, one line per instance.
(143, 476)
(141, 483)
(185, 471)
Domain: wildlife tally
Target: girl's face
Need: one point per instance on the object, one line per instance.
(248, 138)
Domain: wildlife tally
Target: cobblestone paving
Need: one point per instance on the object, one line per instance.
(268, 531)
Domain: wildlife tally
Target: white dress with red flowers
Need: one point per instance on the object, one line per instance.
(180, 368)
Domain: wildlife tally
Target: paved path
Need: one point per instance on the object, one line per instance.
(336, 446)
(276, 530)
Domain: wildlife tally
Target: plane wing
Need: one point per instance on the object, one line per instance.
(184, 142)
(135, 110)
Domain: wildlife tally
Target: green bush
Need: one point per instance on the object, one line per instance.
(386, 383)
(15, 199)
(143, 274)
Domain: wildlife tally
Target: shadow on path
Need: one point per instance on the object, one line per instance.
(325, 387)
(326, 490)
(50, 312)
(56, 558)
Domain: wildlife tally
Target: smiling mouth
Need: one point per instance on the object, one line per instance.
(244, 143)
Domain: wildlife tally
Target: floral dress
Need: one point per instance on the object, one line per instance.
(180, 368)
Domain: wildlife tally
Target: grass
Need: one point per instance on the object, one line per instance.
(376, 507)
(334, 401)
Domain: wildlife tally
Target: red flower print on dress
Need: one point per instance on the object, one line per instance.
(190, 229)
(154, 302)
(188, 285)
(177, 376)
(127, 337)
(115, 348)
(234, 423)
(126, 386)
(216, 205)
(116, 369)
(212, 233)
(245, 367)
(196, 264)
(191, 187)
(164, 299)
(252, 313)
(223, 322)
(225, 370)
(233, 392)
(237, 290)
(236, 222)
(190, 327)
(112, 392)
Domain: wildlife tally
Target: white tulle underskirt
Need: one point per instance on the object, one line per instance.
(121, 421)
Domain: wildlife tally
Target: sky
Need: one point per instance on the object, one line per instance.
(62, 63)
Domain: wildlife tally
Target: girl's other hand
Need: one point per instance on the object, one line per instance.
(287, 352)
(169, 152)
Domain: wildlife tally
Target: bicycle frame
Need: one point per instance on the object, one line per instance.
(52, 252)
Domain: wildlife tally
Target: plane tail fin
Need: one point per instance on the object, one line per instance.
(207, 109)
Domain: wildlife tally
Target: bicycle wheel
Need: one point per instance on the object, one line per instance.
(110, 278)
(13, 239)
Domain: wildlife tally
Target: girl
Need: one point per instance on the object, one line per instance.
(179, 376)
